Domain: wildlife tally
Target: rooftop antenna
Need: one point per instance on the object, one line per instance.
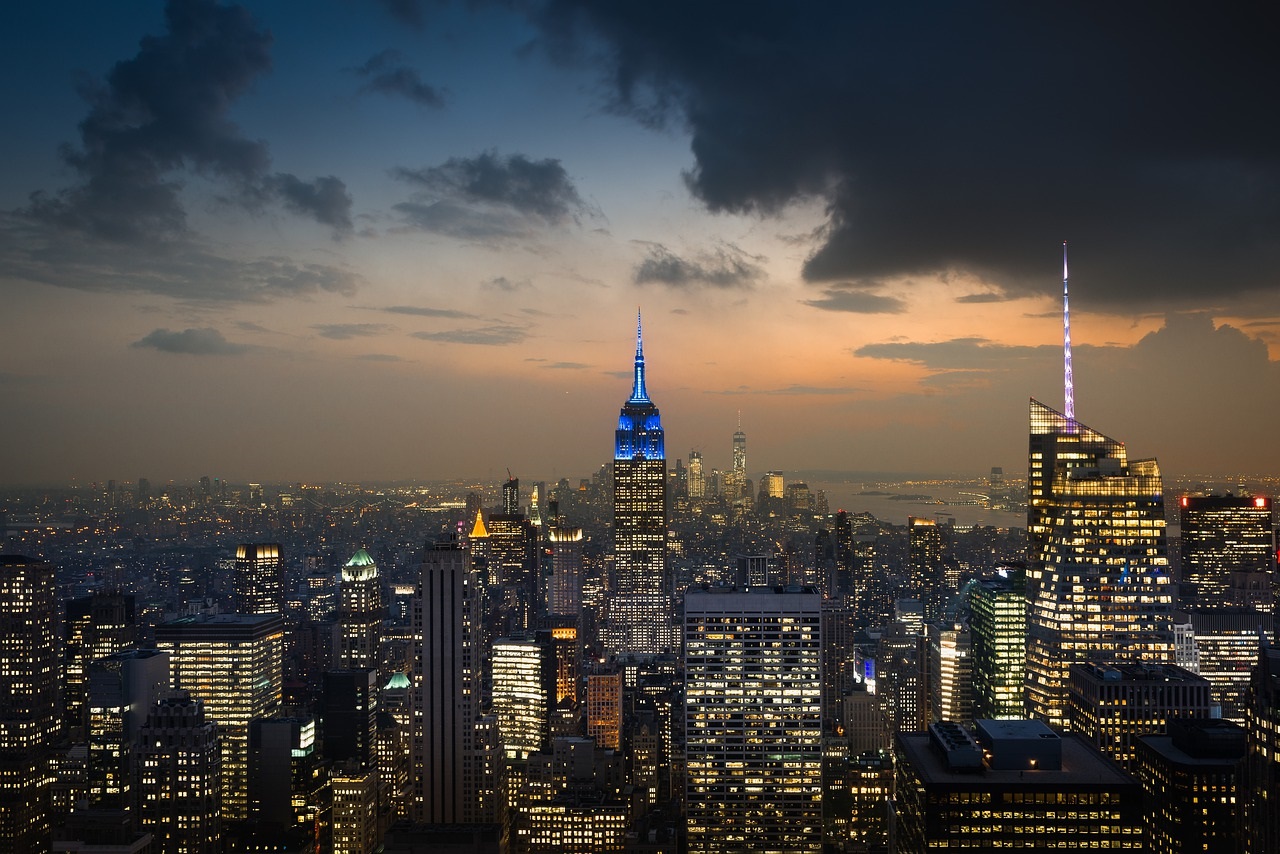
(1069, 387)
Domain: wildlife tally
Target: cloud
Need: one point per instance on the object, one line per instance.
(495, 336)
(949, 137)
(346, 331)
(379, 357)
(566, 366)
(193, 342)
(502, 283)
(407, 12)
(424, 311)
(726, 266)
(182, 269)
(489, 196)
(959, 353)
(387, 75)
(852, 298)
(792, 390)
(978, 299)
(164, 113)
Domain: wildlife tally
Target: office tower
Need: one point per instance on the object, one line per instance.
(446, 690)
(288, 783)
(349, 714)
(639, 618)
(28, 701)
(512, 551)
(143, 496)
(1019, 785)
(93, 626)
(1112, 705)
(233, 664)
(753, 720)
(1225, 644)
(998, 628)
(735, 480)
(951, 672)
(322, 595)
(511, 496)
(1228, 551)
(752, 571)
(180, 777)
(925, 579)
(898, 679)
(535, 512)
(846, 581)
(1104, 594)
(566, 646)
(773, 485)
(123, 687)
(697, 479)
(355, 809)
(1191, 781)
(361, 613)
(799, 499)
(259, 579)
(1260, 772)
(524, 690)
(604, 708)
(566, 571)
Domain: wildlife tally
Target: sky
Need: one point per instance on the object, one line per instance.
(406, 240)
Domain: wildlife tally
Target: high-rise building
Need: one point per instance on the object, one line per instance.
(349, 710)
(355, 809)
(524, 692)
(565, 599)
(28, 701)
(259, 579)
(1228, 551)
(180, 777)
(93, 626)
(1260, 772)
(773, 485)
(950, 672)
(998, 628)
(925, 579)
(446, 788)
(640, 619)
(1019, 785)
(1191, 781)
(1103, 593)
(233, 664)
(512, 552)
(604, 708)
(696, 478)
(1112, 705)
(361, 613)
(1225, 646)
(123, 687)
(736, 477)
(753, 720)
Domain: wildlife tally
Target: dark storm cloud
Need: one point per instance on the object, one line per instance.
(165, 112)
(386, 73)
(496, 336)
(970, 137)
(858, 300)
(726, 266)
(978, 299)
(193, 342)
(490, 197)
(346, 331)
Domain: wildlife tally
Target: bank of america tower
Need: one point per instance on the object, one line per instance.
(639, 612)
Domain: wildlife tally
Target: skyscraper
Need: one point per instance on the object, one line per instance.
(28, 698)
(998, 623)
(1260, 771)
(1104, 594)
(1228, 551)
(925, 580)
(565, 599)
(524, 692)
(696, 477)
(233, 664)
(753, 720)
(445, 788)
(361, 613)
(259, 579)
(640, 619)
(180, 777)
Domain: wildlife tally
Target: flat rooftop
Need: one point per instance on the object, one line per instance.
(1082, 767)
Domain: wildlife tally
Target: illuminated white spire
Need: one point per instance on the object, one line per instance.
(1069, 387)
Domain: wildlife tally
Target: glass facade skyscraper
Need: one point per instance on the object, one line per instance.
(640, 609)
(1102, 592)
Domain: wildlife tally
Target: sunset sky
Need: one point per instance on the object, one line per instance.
(404, 240)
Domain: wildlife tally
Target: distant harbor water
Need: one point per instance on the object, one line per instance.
(894, 502)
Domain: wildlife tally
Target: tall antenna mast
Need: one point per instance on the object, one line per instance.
(1069, 387)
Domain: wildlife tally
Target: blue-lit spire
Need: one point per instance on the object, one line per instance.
(638, 392)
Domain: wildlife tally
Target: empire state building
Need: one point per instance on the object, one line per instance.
(639, 619)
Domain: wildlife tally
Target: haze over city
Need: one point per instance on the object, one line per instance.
(405, 240)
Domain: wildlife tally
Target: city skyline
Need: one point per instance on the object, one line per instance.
(240, 243)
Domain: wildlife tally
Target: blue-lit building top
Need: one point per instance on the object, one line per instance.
(639, 434)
